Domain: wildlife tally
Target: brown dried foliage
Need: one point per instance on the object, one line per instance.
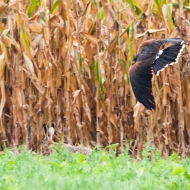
(70, 67)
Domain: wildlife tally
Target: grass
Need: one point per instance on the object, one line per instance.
(20, 169)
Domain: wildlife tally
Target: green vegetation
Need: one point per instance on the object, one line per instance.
(20, 169)
(66, 63)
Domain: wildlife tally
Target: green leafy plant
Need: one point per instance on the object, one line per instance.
(21, 169)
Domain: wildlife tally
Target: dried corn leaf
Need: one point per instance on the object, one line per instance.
(14, 4)
(2, 64)
(3, 97)
(36, 27)
(46, 35)
(3, 6)
(29, 64)
(90, 37)
(138, 109)
(6, 40)
(2, 86)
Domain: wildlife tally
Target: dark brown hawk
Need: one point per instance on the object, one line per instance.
(151, 58)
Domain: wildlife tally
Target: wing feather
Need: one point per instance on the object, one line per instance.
(141, 81)
(167, 56)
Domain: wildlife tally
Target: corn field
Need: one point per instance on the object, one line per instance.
(64, 64)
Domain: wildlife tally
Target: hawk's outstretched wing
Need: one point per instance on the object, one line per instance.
(141, 81)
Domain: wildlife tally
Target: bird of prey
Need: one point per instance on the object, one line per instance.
(151, 58)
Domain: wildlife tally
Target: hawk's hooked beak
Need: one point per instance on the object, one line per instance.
(133, 62)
